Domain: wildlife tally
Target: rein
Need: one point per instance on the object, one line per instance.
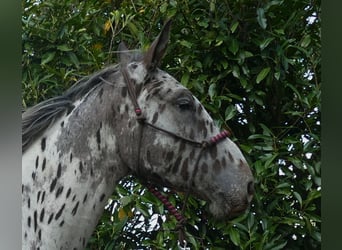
(204, 145)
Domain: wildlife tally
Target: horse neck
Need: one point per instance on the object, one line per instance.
(70, 171)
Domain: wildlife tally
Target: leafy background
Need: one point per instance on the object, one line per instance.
(255, 66)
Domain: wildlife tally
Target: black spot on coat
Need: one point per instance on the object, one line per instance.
(155, 117)
(98, 138)
(80, 167)
(85, 198)
(43, 197)
(59, 170)
(38, 196)
(74, 210)
(102, 197)
(53, 184)
(37, 162)
(35, 220)
(68, 193)
(50, 218)
(43, 144)
(59, 213)
(41, 217)
(29, 221)
(43, 164)
(59, 191)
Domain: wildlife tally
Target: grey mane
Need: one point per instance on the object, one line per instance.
(37, 118)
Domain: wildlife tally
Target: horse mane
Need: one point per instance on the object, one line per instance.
(36, 119)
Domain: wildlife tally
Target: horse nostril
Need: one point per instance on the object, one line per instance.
(250, 188)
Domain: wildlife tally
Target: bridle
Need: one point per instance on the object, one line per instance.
(204, 145)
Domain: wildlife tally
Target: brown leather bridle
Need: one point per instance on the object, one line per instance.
(204, 145)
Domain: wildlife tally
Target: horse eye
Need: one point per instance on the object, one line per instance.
(184, 104)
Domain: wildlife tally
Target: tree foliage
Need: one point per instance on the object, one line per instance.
(255, 65)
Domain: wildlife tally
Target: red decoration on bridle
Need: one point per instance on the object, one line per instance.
(138, 111)
(179, 217)
(220, 136)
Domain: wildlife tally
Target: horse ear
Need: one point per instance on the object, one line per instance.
(124, 54)
(155, 53)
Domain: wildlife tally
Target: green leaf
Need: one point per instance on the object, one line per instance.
(212, 90)
(125, 200)
(143, 209)
(118, 226)
(298, 197)
(192, 240)
(245, 148)
(262, 74)
(261, 18)
(266, 42)
(306, 41)
(277, 75)
(265, 130)
(317, 236)
(224, 64)
(233, 26)
(243, 82)
(234, 236)
(218, 43)
(74, 59)
(186, 43)
(203, 23)
(212, 6)
(230, 112)
(314, 194)
(133, 28)
(250, 220)
(258, 136)
(294, 89)
(279, 246)
(110, 246)
(48, 57)
(234, 46)
(283, 185)
(270, 160)
(64, 47)
(279, 31)
(236, 71)
(185, 78)
(248, 54)
(163, 7)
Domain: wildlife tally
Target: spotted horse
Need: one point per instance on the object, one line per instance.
(127, 119)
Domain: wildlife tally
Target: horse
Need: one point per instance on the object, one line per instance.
(130, 118)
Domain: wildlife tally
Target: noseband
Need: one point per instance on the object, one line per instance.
(204, 145)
